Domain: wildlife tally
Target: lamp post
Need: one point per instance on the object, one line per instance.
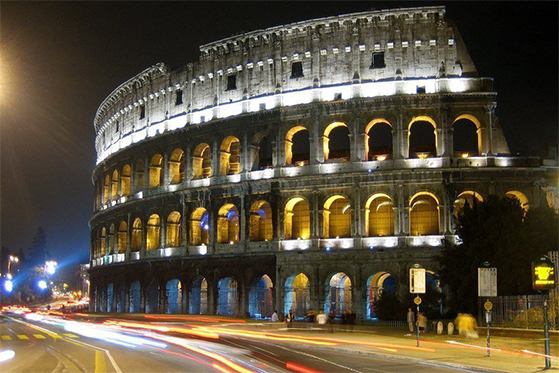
(11, 259)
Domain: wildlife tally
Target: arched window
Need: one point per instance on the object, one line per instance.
(114, 185)
(174, 229)
(155, 171)
(202, 162)
(521, 197)
(176, 167)
(424, 215)
(227, 297)
(173, 292)
(468, 197)
(378, 284)
(198, 300)
(264, 154)
(136, 244)
(297, 295)
(153, 237)
(139, 175)
(230, 156)
(378, 140)
(338, 294)
(297, 219)
(260, 298)
(422, 138)
(297, 146)
(111, 242)
(260, 225)
(122, 240)
(106, 189)
(103, 241)
(228, 224)
(465, 137)
(125, 180)
(379, 215)
(337, 217)
(199, 227)
(336, 142)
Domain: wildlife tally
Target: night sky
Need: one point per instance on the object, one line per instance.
(60, 60)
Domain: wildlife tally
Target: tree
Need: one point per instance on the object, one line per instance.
(497, 231)
(38, 250)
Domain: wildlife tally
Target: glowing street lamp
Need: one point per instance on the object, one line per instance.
(8, 286)
(12, 258)
(50, 267)
(42, 284)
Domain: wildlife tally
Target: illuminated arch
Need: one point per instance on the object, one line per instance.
(114, 185)
(176, 167)
(106, 186)
(111, 243)
(202, 161)
(198, 299)
(260, 224)
(227, 296)
(467, 141)
(139, 173)
(468, 197)
(343, 153)
(521, 197)
(199, 227)
(297, 219)
(295, 138)
(174, 228)
(122, 237)
(260, 297)
(424, 214)
(103, 241)
(228, 224)
(379, 215)
(381, 151)
(136, 244)
(153, 234)
(427, 148)
(338, 293)
(262, 151)
(337, 217)
(378, 284)
(230, 161)
(173, 295)
(155, 171)
(297, 295)
(125, 180)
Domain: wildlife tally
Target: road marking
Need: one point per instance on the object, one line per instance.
(22, 336)
(100, 366)
(39, 336)
(6, 338)
(70, 335)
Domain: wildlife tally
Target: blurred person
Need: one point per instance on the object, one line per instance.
(321, 320)
(331, 319)
(275, 316)
(422, 322)
(289, 318)
(411, 319)
(467, 325)
(310, 318)
(351, 317)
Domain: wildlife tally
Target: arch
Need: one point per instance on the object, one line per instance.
(227, 297)
(422, 137)
(199, 227)
(297, 146)
(198, 304)
(125, 180)
(260, 224)
(139, 172)
(114, 185)
(378, 140)
(337, 217)
(263, 154)
(377, 284)
(230, 159)
(174, 228)
(103, 241)
(153, 234)
(135, 293)
(152, 297)
(156, 171)
(466, 136)
(260, 298)
(467, 197)
(110, 294)
(120, 297)
(297, 219)
(228, 224)
(122, 237)
(424, 214)
(136, 244)
(176, 167)
(111, 242)
(202, 161)
(379, 215)
(106, 189)
(173, 293)
(297, 295)
(336, 144)
(338, 293)
(521, 197)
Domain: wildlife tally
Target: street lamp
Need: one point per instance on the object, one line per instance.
(12, 258)
(50, 267)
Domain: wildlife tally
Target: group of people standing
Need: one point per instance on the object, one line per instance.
(322, 319)
(421, 321)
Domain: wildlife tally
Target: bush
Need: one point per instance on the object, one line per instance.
(389, 307)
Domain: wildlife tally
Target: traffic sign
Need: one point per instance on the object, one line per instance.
(487, 282)
(543, 274)
(417, 300)
(417, 279)
(488, 306)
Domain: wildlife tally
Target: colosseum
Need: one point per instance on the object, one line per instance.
(307, 165)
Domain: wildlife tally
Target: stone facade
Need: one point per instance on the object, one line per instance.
(210, 199)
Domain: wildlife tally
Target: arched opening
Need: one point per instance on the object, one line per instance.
(336, 143)
(122, 237)
(227, 297)
(152, 297)
(111, 242)
(139, 175)
(260, 298)
(198, 304)
(120, 297)
(135, 297)
(173, 291)
(260, 225)
(174, 228)
(521, 197)
(465, 136)
(469, 198)
(106, 189)
(114, 185)
(156, 171)
(125, 180)
(228, 224)
(422, 138)
(297, 219)
(230, 156)
(136, 244)
(297, 295)
(297, 146)
(264, 154)
(378, 284)
(378, 140)
(202, 162)
(337, 217)
(338, 294)
(176, 167)
(103, 241)
(153, 236)
(424, 214)
(199, 227)
(110, 294)
(379, 215)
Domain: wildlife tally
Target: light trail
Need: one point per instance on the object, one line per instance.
(542, 355)
(299, 368)
(166, 329)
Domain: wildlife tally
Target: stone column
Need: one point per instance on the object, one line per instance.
(490, 114)
(165, 169)
(216, 158)
(163, 235)
(356, 296)
(278, 302)
(147, 173)
(126, 296)
(185, 220)
(245, 155)
(243, 289)
(128, 235)
(314, 212)
(315, 290)
(315, 139)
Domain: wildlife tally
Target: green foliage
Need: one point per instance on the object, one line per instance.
(389, 307)
(38, 250)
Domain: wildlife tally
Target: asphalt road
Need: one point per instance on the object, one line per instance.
(71, 346)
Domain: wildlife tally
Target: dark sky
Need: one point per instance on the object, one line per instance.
(60, 60)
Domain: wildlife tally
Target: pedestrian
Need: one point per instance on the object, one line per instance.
(321, 320)
(310, 318)
(289, 318)
(275, 316)
(422, 322)
(466, 325)
(411, 319)
(351, 317)
(331, 319)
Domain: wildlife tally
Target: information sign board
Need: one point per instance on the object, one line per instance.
(487, 282)
(417, 280)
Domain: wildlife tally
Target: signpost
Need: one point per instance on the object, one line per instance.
(417, 286)
(543, 280)
(486, 288)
